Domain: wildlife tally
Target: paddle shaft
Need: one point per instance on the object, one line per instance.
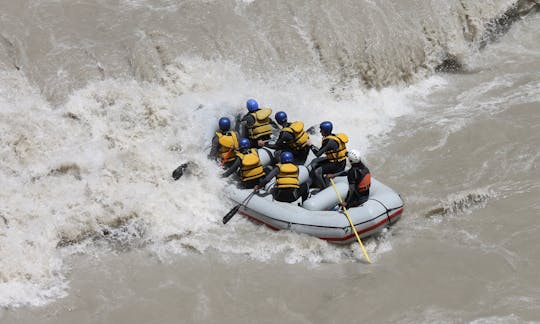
(350, 221)
(235, 209)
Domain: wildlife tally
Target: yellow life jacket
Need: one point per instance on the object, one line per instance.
(287, 176)
(300, 137)
(227, 144)
(341, 153)
(251, 165)
(261, 127)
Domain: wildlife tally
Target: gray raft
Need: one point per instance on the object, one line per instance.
(318, 215)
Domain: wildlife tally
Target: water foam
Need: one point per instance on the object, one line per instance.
(98, 166)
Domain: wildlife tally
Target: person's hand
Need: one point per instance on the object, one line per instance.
(343, 204)
(308, 142)
(256, 188)
(260, 143)
(330, 176)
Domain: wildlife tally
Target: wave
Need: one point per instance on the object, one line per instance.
(376, 43)
(462, 203)
(96, 171)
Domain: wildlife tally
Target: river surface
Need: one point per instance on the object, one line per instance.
(101, 100)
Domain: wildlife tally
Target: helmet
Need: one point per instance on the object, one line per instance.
(224, 124)
(244, 143)
(354, 156)
(326, 127)
(252, 105)
(286, 157)
(281, 117)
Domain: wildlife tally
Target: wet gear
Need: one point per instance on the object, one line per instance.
(224, 124)
(252, 105)
(339, 154)
(359, 179)
(300, 136)
(261, 127)
(326, 127)
(287, 176)
(365, 183)
(251, 165)
(286, 157)
(244, 143)
(281, 117)
(354, 156)
(228, 142)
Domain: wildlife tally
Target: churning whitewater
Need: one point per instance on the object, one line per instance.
(100, 101)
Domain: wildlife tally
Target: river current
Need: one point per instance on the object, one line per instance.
(101, 100)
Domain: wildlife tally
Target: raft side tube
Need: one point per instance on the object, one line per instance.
(326, 199)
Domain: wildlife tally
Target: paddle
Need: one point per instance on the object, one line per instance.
(178, 172)
(350, 221)
(235, 209)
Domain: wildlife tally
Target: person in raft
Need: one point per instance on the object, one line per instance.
(247, 165)
(335, 150)
(359, 179)
(292, 138)
(256, 124)
(224, 143)
(287, 187)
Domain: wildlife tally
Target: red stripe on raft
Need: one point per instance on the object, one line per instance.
(372, 227)
(384, 221)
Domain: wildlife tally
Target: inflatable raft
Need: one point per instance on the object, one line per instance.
(319, 215)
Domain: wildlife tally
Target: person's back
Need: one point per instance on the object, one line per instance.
(287, 187)
(251, 165)
(335, 150)
(359, 179)
(247, 164)
(224, 143)
(292, 138)
(257, 122)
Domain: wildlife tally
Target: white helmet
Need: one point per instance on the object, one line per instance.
(354, 156)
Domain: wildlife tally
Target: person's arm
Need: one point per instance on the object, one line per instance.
(234, 167)
(352, 174)
(268, 177)
(273, 123)
(247, 121)
(214, 148)
(329, 145)
(339, 174)
(281, 142)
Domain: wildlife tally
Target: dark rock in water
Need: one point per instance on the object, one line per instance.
(179, 172)
(451, 64)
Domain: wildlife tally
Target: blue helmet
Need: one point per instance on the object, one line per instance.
(252, 105)
(224, 124)
(281, 117)
(244, 143)
(286, 157)
(326, 127)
